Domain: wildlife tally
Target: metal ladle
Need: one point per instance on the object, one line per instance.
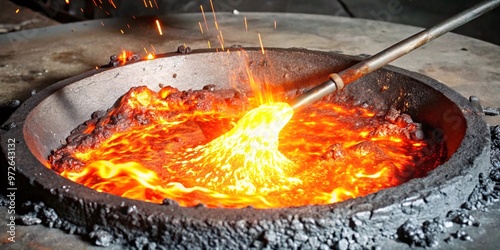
(337, 81)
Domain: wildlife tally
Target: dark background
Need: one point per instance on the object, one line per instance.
(417, 13)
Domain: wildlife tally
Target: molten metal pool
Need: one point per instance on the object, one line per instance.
(205, 147)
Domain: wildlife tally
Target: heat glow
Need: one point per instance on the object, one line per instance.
(245, 160)
(223, 149)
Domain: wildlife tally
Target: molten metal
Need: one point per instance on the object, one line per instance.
(245, 160)
(192, 147)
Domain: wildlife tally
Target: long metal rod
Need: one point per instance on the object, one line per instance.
(337, 81)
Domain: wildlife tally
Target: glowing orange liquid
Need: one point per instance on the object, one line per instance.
(249, 163)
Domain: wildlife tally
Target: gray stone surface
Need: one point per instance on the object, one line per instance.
(42, 237)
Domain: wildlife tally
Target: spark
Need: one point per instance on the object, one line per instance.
(112, 3)
(122, 32)
(145, 4)
(201, 28)
(204, 17)
(221, 37)
(153, 47)
(215, 17)
(250, 151)
(67, 1)
(274, 24)
(81, 9)
(220, 41)
(150, 56)
(128, 25)
(145, 50)
(102, 24)
(150, 4)
(246, 24)
(156, 4)
(17, 11)
(95, 4)
(209, 46)
(159, 27)
(261, 45)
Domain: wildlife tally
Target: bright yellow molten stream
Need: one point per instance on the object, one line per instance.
(246, 160)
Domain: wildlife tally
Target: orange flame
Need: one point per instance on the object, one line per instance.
(124, 56)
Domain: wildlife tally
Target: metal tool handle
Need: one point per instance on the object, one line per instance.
(338, 80)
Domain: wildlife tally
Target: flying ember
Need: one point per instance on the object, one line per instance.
(223, 148)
